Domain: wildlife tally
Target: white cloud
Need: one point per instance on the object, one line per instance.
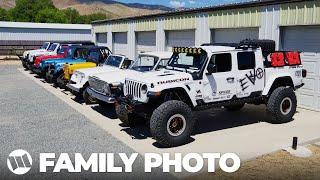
(192, 1)
(177, 4)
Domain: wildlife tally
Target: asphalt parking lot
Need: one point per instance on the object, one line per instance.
(33, 119)
(40, 118)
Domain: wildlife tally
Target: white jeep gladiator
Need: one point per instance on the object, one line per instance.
(25, 57)
(107, 86)
(212, 76)
(79, 80)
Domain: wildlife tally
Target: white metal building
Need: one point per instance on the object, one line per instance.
(293, 24)
(19, 31)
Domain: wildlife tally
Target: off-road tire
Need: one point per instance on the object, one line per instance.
(59, 79)
(159, 123)
(55, 79)
(234, 107)
(274, 105)
(47, 79)
(25, 66)
(127, 119)
(87, 98)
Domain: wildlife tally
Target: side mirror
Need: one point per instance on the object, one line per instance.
(211, 68)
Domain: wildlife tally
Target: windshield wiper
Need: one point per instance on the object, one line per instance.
(170, 67)
(194, 68)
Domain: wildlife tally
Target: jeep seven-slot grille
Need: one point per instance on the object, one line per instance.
(98, 85)
(133, 88)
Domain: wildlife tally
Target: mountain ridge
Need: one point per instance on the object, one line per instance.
(113, 9)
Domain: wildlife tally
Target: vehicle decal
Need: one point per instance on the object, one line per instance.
(252, 77)
(225, 92)
(173, 81)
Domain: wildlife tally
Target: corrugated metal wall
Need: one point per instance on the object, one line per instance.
(146, 25)
(304, 13)
(180, 22)
(248, 17)
(120, 27)
(34, 34)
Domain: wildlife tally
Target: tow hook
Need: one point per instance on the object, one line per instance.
(129, 108)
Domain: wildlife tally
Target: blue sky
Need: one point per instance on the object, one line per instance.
(183, 3)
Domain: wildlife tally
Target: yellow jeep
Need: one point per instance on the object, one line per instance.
(97, 55)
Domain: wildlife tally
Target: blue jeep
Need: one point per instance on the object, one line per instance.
(54, 67)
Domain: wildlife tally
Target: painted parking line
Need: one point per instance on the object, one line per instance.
(245, 133)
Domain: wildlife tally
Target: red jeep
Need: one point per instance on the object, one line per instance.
(62, 53)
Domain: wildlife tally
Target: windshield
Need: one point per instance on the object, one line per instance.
(70, 52)
(44, 46)
(113, 61)
(144, 63)
(93, 56)
(77, 53)
(52, 47)
(193, 61)
(62, 50)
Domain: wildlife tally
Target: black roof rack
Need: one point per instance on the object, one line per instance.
(221, 44)
(267, 46)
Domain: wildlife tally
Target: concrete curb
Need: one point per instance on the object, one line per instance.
(9, 58)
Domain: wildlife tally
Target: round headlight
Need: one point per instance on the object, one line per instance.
(144, 89)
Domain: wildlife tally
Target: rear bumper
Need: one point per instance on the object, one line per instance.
(298, 87)
(101, 97)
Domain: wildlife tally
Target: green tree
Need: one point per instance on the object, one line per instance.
(3, 15)
(50, 16)
(44, 11)
(27, 10)
(87, 19)
(72, 15)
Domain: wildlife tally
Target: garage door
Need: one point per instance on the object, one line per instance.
(146, 41)
(180, 38)
(309, 94)
(102, 39)
(120, 43)
(234, 35)
(306, 38)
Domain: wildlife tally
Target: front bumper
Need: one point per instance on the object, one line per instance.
(24, 61)
(101, 97)
(127, 105)
(51, 75)
(74, 87)
(37, 70)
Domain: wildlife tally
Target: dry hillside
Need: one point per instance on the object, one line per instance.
(7, 4)
(113, 10)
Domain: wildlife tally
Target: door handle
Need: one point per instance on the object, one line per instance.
(230, 79)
